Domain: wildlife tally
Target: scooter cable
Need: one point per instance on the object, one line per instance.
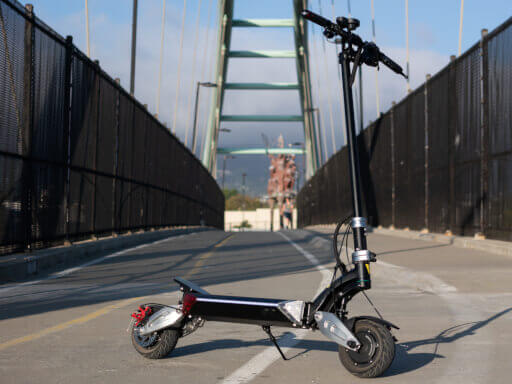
(345, 239)
(339, 264)
(347, 234)
(373, 306)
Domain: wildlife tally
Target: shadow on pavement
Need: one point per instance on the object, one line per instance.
(405, 360)
(285, 340)
(329, 236)
(412, 249)
(150, 271)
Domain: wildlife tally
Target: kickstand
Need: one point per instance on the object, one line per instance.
(267, 330)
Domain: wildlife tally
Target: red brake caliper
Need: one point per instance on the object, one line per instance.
(141, 314)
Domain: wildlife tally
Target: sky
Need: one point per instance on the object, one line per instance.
(433, 37)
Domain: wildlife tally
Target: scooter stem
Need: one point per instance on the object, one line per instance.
(355, 174)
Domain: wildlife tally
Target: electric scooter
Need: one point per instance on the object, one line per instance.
(366, 346)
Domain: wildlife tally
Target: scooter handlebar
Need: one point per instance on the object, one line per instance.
(391, 64)
(317, 19)
(354, 39)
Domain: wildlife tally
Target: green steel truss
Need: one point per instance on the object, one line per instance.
(303, 85)
(260, 151)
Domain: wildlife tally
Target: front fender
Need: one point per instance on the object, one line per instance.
(350, 322)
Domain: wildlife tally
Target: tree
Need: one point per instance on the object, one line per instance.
(229, 192)
(237, 202)
(244, 224)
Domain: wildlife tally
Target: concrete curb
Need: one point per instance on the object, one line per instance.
(21, 266)
(498, 247)
(492, 246)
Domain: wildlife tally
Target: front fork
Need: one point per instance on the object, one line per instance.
(361, 256)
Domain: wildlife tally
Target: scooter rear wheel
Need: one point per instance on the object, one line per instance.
(156, 345)
(376, 353)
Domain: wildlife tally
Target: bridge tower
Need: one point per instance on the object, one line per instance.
(297, 25)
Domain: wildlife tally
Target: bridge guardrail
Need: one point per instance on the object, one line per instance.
(441, 159)
(79, 156)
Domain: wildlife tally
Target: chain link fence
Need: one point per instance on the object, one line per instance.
(441, 159)
(78, 155)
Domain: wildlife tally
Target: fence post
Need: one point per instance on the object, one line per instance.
(27, 125)
(67, 129)
(427, 78)
(484, 133)
(115, 225)
(393, 166)
(452, 129)
(144, 181)
(132, 165)
(96, 146)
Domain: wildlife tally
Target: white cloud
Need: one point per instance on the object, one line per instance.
(111, 45)
(391, 86)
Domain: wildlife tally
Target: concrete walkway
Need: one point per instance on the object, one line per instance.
(454, 307)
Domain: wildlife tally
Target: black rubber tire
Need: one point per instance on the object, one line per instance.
(164, 344)
(376, 353)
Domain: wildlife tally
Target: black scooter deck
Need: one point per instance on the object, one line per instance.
(249, 310)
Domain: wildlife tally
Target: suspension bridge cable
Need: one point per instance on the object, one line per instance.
(377, 97)
(207, 32)
(194, 57)
(407, 43)
(87, 27)
(321, 116)
(460, 25)
(320, 145)
(211, 76)
(340, 86)
(162, 35)
(329, 101)
(204, 64)
(359, 90)
(179, 67)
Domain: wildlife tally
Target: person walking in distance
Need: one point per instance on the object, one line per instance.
(287, 213)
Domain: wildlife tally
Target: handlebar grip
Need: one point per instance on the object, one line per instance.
(391, 64)
(317, 19)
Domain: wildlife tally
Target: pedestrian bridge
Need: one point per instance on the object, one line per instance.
(81, 158)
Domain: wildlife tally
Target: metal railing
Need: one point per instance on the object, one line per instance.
(441, 159)
(78, 155)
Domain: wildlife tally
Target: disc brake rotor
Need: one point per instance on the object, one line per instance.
(145, 341)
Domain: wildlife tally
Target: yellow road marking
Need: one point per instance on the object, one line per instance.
(102, 311)
(67, 324)
(202, 259)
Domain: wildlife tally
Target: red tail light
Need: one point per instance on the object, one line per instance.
(188, 302)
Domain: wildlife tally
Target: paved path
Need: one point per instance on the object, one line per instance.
(454, 307)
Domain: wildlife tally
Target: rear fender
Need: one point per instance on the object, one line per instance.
(164, 317)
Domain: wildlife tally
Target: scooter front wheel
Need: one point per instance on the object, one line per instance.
(376, 353)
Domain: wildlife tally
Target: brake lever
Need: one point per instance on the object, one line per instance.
(357, 58)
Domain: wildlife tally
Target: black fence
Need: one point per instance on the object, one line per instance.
(78, 155)
(441, 159)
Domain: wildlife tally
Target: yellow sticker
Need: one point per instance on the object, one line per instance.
(368, 267)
